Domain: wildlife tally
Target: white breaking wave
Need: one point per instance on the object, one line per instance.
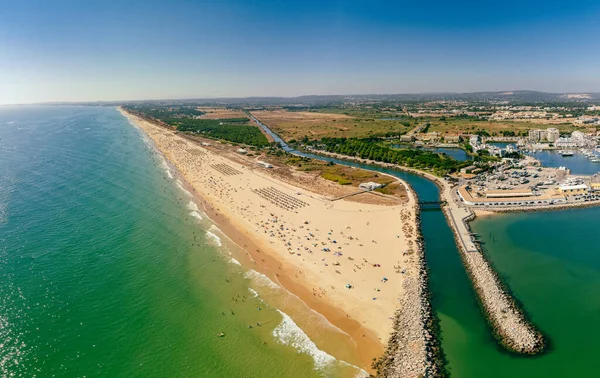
(288, 333)
(168, 172)
(261, 279)
(254, 294)
(192, 206)
(196, 215)
(234, 261)
(214, 238)
(180, 186)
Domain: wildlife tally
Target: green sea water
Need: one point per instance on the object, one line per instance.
(551, 261)
(108, 268)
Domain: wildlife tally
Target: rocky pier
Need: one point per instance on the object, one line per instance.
(511, 327)
(413, 348)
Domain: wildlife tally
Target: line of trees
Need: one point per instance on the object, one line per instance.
(215, 128)
(183, 118)
(370, 149)
(240, 120)
(161, 112)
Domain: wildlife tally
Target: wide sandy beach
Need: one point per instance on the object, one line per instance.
(345, 259)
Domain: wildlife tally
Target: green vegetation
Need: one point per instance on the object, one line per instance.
(161, 112)
(344, 175)
(294, 125)
(461, 125)
(370, 149)
(184, 119)
(215, 128)
(241, 120)
(337, 178)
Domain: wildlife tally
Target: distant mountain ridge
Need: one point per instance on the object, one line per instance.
(515, 96)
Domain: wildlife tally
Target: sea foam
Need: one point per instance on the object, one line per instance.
(234, 261)
(214, 238)
(288, 333)
(196, 215)
(215, 228)
(192, 206)
(180, 186)
(261, 279)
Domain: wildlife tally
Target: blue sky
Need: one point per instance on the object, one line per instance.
(109, 50)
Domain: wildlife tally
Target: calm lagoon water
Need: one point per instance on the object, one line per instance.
(455, 153)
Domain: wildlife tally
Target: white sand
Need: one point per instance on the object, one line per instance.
(357, 235)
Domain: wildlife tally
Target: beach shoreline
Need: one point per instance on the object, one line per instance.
(369, 340)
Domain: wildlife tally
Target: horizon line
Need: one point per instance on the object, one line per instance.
(508, 92)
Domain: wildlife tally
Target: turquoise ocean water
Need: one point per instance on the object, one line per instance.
(108, 267)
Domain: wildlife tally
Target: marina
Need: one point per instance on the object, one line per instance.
(579, 162)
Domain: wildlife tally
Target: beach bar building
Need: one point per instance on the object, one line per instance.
(370, 185)
(514, 193)
(508, 198)
(573, 190)
(264, 164)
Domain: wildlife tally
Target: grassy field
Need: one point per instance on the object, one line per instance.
(345, 175)
(458, 126)
(362, 122)
(317, 125)
(216, 113)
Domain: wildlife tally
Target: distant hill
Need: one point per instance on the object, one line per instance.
(513, 97)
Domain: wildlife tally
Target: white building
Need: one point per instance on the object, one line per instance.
(586, 120)
(577, 140)
(370, 185)
(564, 143)
(537, 135)
(264, 164)
(552, 134)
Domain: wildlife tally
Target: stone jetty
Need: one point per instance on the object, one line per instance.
(510, 324)
(413, 348)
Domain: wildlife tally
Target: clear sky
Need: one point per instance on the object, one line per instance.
(89, 50)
